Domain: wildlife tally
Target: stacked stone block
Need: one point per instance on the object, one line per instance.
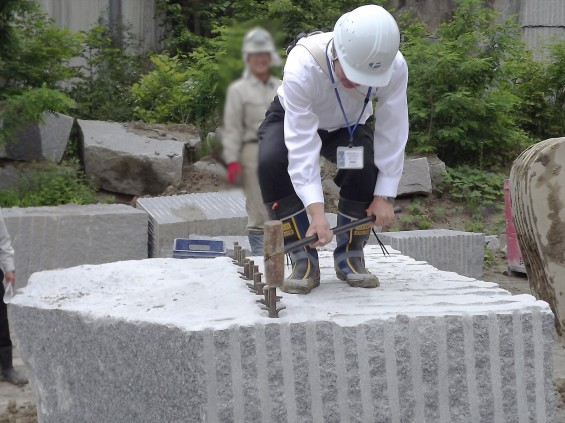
(455, 251)
(180, 216)
(64, 236)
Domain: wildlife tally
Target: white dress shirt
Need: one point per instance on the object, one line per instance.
(310, 103)
(6, 250)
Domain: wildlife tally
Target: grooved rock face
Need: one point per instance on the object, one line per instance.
(184, 340)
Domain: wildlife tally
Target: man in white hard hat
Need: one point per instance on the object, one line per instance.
(247, 100)
(325, 99)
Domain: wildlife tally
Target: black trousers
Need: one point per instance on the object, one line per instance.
(274, 180)
(5, 340)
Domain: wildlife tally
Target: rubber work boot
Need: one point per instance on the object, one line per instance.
(349, 260)
(9, 374)
(305, 274)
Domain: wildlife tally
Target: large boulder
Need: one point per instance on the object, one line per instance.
(118, 160)
(40, 141)
(537, 191)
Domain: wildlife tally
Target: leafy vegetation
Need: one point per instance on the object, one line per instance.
(474, 187)
(476, 96)
(34, 56)
(101, 89)
(52, 185)
(463, 101)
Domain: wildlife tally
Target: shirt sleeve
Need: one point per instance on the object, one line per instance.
(232, 134)
(302, 139)
(391, 130)
(6, 250)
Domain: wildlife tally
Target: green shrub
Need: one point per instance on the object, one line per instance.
(50, 186)
(474, 187)
(462, 98)
(109, 68)
(34, 55)
(163, 95)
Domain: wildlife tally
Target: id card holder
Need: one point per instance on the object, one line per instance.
(349, 158)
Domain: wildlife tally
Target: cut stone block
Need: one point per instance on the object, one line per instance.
(184, 340)
(42, 141)
(179, 216)
(454, 251)
(416, 177)
(121, 161)
(55, 237)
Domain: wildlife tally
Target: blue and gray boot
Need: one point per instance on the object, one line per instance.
(305, 274)
(349, 260)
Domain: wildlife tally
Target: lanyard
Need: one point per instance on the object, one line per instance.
(349, 128)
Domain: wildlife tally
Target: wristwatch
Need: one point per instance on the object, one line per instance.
(389, 199)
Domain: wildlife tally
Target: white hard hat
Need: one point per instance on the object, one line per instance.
(366, 41)
(258, 40)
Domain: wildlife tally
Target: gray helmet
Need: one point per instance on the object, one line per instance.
(258, 40)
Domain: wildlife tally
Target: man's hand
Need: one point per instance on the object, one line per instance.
(10, 277)
(382, 210)
(234, 169)
(319, 225)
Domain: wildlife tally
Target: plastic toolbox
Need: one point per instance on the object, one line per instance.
(198, 248)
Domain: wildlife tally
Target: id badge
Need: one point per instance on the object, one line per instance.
(349, 158)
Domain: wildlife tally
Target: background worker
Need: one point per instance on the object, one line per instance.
(322, 108)
(7, 270)
(246, 103)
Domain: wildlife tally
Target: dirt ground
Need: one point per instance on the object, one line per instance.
(17, 404)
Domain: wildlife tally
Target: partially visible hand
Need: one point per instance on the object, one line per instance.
(319, 225)
(234, 169)
(382, 210)
(10, 277)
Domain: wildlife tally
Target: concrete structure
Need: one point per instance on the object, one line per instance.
(416, 177)
(141, 16)
(56, 237)
(454, 251)
(541, 20)
(121, 161)
(40, 141)
(183, 340)
(179, 216)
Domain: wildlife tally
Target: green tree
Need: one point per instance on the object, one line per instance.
(463, 101)
(109, 67)
(34, 55)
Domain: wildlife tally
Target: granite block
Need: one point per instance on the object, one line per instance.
(454, 251)
(46, 238)
(104, 343)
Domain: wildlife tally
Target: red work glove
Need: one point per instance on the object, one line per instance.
(234, 169)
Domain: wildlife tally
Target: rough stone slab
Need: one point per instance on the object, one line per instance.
(43, 141)
(416, 177)
(455, 251)
(106, 343)
(121, 161)
(9, 176)
(47, 238)
(179, 216)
